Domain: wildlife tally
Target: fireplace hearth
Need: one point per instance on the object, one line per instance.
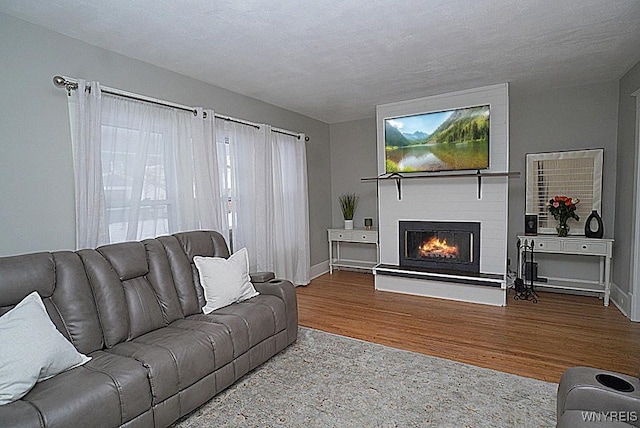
(436, 246)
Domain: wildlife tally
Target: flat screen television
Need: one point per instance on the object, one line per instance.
(451, 140)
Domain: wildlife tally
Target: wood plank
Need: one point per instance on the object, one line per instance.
(534, 340)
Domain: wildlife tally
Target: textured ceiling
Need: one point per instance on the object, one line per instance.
(336, 60)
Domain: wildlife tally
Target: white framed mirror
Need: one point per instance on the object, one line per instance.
(576, 174)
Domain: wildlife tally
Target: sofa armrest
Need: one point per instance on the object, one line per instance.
(591, 390)
(262, 276)
(284, 290)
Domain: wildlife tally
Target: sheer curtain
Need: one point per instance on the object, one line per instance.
(249, 191)
(151, 171)
(291, 208)
(84, 117)
(269, 199)
(144, 170)
(210, 166)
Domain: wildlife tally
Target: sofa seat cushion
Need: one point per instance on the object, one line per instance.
(249, 322)
(175, 358)
(109, 390)
(218, 334)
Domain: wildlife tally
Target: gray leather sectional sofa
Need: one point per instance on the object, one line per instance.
(135, 309)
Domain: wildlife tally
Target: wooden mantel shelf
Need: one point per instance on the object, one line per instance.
(479, 175)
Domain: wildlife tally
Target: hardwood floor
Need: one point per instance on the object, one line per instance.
(533, 340)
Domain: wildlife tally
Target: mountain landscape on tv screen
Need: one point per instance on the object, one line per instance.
(460, 142)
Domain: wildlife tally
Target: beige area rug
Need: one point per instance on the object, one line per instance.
(325, 380)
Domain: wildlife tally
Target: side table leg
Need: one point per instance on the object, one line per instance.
(330, 257)
(607, 280)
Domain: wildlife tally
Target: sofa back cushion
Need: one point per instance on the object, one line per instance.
(134, 289)
(61, 281)
(181, 248)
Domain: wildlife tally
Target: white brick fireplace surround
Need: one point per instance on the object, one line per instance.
(449, 199)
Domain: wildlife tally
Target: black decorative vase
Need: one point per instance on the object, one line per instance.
(589, 230)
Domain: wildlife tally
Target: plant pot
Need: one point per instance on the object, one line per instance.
(348, 224)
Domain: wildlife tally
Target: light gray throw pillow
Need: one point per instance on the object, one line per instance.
(31, 349)
(225, 281)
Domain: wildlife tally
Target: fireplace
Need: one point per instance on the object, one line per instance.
(438, 246)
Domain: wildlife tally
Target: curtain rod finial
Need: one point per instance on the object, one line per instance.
(59, 81)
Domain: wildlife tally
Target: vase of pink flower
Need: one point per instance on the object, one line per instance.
(563, 208)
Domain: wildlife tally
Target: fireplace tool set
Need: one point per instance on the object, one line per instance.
(523, 290)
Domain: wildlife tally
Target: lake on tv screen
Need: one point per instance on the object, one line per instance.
(450, 140)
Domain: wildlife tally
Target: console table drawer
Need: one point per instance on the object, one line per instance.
(595, 248)
(339, 235)
(548, 245)
(364, 236)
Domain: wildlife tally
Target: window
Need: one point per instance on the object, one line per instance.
(224, 159)
(140, 200)
(577, 174)
(140, 154)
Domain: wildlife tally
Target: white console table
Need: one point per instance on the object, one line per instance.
(600, 248)
(357, 236)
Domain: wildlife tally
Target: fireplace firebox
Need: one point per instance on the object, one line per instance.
(440, 246)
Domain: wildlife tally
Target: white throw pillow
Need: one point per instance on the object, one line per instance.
(31, 349)
(225, 281)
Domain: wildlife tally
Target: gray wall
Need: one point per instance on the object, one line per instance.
(540, 120)
(554, 119)
(36, 173)
(353, 156)
(626, 168)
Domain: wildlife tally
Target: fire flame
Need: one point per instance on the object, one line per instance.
(434, 247)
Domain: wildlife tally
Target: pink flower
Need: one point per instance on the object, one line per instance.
(556, 204)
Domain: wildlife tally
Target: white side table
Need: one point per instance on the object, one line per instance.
(600, 248)
(357, 236)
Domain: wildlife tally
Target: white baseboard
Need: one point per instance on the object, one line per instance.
(621, 299)
(319, 269)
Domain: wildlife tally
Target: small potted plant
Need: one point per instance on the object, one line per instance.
(348, 204)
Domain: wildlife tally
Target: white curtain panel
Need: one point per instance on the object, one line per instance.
(248, 192)
(291, 208)
(269, 200)
(84, 116)
(210, 166)
(200, 203)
